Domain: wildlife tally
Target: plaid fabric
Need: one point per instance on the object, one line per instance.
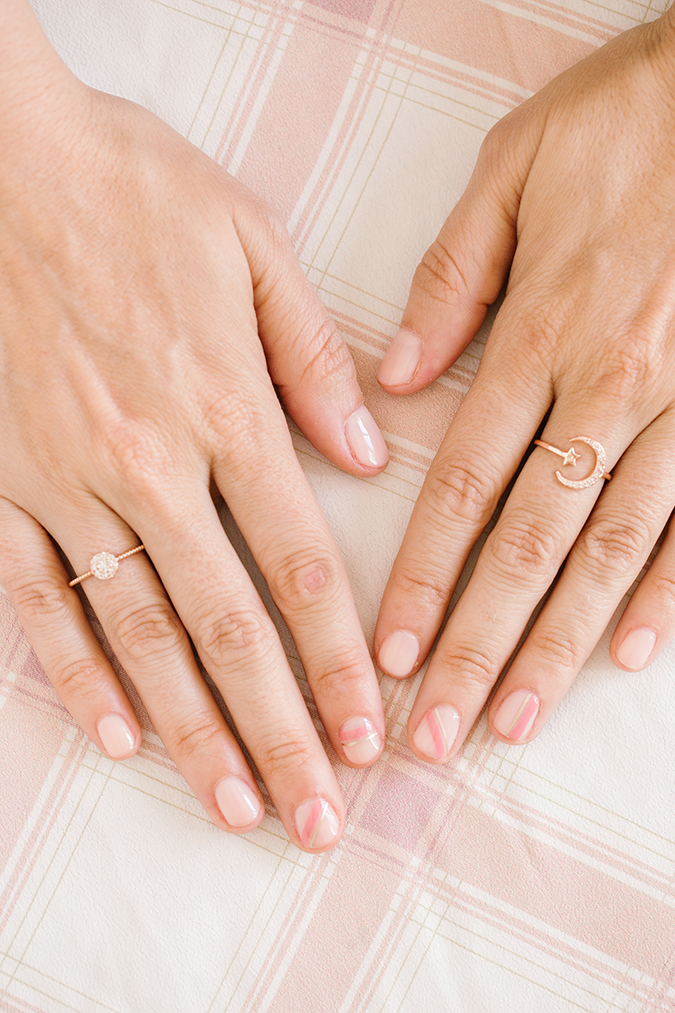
(514, 880)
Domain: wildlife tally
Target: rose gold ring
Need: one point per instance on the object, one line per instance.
(104, 565)
(571, 457)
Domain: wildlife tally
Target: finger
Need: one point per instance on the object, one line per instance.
(648, 623)
(239, 648)
(307, 357)
(518, 563)
(479, 455)
(285, 530)
(151, 644)
(605, 560)
(57, 628)
(464, 269)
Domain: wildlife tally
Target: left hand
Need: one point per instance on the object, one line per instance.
(574, 192)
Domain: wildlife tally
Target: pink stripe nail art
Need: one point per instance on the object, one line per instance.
(360, 740)
(317, 823)
(312, 825)
(436, 732)
(515, 717)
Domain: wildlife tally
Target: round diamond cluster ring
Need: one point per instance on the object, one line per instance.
(104, 565)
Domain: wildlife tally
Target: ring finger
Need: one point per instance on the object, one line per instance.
(147, 637)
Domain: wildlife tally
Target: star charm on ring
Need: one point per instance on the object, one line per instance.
(571, 457)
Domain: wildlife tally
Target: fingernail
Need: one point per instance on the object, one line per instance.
(636, 647)
(401, 359)
(398, 653)
(116, 736)
(236, 801)
(317, 823)
(437, 732)
(365, 439)
(515, 717)
(360, 740)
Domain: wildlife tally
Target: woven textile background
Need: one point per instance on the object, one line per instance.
(534, 879)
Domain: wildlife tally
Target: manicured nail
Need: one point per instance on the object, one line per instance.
(398, 653)
(360, 740)
(436, 732)
(317, 823)
(636, 647)
(515, 717)
(401, 360)
(116, 736)
(236, 802)
(365, 439)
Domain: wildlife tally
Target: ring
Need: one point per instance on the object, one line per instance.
(104, 565)
(571, 456)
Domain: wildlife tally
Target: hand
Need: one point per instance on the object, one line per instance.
(135, 280)
(574, 192)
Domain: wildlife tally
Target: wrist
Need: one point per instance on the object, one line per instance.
(38, 93)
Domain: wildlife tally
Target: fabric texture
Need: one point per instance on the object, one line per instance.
(513, 880)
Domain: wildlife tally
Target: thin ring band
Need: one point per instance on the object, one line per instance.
(104, 565)
(571, 456)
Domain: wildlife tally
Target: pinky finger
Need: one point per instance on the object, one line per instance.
(52, 616)
(648, 623)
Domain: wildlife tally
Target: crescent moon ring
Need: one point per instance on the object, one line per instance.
(598, 471)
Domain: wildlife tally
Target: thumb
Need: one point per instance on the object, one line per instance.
(463, 270)
(307, 357)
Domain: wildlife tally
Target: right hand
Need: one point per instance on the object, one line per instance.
(148, 303)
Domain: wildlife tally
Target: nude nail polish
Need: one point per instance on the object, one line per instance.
(317, 823)
(116, 736)
(636, 647)
(365, 439)
(401, 360)
(436, 732)
(516, 715)
(236, 801)
(360, 740)
(398, 653)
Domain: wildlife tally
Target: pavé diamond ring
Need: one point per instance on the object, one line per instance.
(571, 456)
(104, 565)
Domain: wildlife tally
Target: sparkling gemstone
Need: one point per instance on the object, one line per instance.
(104, 565)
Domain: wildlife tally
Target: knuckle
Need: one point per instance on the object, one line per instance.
(299, 579)
(426, 589)
(458, 490)
(72, 679)
(39, 600)
(343, 676)
(663, 590)
(282, 757)
(628, 367)
(439, 275)
(330, 363)
(196, 737)
(614, 549)
(222, 641)
(474, 667)
(522, 548)
(492, 145)
(133, 452)
(557, 648)
(148, 631)
(273, 224)
(540, 333)
(243, 417)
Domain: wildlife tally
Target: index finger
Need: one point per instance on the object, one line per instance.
(478, 457)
